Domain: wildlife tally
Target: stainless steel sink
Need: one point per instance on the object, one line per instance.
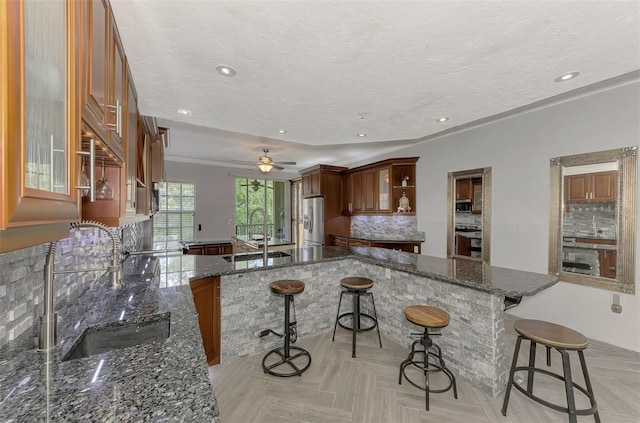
(118, 335)
(256, 256)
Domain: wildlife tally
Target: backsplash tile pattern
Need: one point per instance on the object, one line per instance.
(22, 276)
(386, 227)
(590, 220)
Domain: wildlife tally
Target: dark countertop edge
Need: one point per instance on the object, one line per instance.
(208, 242)
(553, 279)
(388, 241)
(590, 246)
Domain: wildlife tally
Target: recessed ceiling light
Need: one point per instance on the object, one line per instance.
(362, 135)
(282, 131)
(442, 119)
(225, 70)
(184, 112)
(567, 76)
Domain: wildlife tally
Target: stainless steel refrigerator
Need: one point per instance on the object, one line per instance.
(313, 221)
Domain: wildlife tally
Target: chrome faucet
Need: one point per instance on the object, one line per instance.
(265, 239)
(48, 321)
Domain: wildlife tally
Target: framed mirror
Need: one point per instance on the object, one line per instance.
(469, 214)
(592, 216)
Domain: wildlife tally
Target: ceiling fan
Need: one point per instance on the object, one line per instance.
(255, 185)
(265, 163)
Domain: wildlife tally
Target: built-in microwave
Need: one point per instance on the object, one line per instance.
(464, 206)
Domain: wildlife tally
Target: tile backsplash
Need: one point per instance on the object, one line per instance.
(587, 220)
(386, 227)
(22, 277)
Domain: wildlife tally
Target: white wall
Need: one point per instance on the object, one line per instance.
(518, 149)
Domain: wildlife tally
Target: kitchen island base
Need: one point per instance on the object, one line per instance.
(474, 339)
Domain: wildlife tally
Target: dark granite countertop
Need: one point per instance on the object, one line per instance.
(372, 238)
(590, 246)
(162, 381)
(208, 241)
(464, 272)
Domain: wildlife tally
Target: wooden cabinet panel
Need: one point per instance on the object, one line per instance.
(376, 189)
(576, 188)
(463, 245)
(464, 189)
(357, 184)
(196, 250)
(40, 131)
(353, 242)
(311, 183)
(370, 191)
(340, 241)
(206, 297)
(591, 187)
(347, 199)
(603, 186)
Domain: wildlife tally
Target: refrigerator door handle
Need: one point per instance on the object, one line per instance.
(310, 219)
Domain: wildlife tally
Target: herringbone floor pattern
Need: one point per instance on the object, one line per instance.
(338, 388)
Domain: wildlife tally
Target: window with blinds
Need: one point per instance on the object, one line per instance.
(177, 209)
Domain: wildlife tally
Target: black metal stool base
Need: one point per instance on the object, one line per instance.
(285, 351)
(297, 371)
(570, 409)
(427, 367)
(356, 316)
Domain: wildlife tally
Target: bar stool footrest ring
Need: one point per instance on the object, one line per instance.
(288, 360)
(583, 412)
(373, 322)
(432, 368)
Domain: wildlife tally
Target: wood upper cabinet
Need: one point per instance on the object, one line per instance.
(464, 189)
(206, 297)
(311, 183)
(347, 199)
(40, 121)
(105, 87)
(357, 193)
(376, 189)
(591, 187)
(110, 117)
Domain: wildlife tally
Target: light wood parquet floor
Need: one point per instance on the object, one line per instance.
(340, 389)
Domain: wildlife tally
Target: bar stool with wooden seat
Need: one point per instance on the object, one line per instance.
(429, 318)
(288, 288)
(358, 287)
(563, 340)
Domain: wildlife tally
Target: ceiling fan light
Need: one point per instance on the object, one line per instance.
(265, 167)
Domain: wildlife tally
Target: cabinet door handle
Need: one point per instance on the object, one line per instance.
(92, 169)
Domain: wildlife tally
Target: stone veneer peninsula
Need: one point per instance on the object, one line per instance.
(471, 292)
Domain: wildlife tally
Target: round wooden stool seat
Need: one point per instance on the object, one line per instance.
(427, 316)
(550, 334)
(287, 287)
(356, 283)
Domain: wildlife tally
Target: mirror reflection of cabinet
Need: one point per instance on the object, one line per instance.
(593, 219)
(469, 234)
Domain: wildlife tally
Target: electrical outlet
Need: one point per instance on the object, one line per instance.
(387, 273)
(415, 249)
(616, 303)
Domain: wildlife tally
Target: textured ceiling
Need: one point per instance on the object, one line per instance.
(327, 71)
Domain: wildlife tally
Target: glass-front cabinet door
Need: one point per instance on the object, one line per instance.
(383, 190)
(41, 114)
